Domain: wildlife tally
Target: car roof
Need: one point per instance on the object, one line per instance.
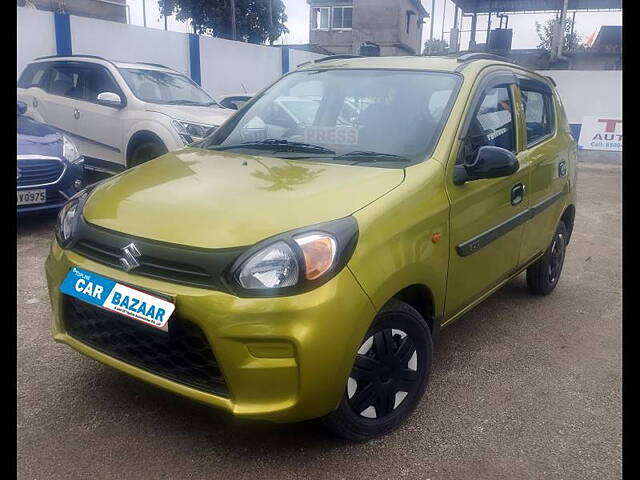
(469, 64)
(101, 60)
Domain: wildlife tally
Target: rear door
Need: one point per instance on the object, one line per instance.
(63, 89)
(486, 216)
(546, 148)
(31, 89)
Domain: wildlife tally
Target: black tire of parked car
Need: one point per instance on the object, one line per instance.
(543, 275)
(146, 151)
(382, 369)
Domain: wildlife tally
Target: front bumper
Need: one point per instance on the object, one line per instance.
(57, 193)
(283, 359)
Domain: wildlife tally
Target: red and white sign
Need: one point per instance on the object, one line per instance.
(601, 133)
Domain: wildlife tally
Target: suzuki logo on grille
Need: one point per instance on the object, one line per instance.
(129, 259)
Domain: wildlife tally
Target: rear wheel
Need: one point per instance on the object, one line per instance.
(389, 375)
(543, 275)
(146, 151)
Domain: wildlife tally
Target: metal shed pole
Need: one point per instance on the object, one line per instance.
(433, 8)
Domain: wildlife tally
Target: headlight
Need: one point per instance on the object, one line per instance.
(295, 261)
(69, 150)
(191, 132)
(68, 216)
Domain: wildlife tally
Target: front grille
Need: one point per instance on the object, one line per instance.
(182, 355)
(149, 266)
(38, 172)
(200, 267)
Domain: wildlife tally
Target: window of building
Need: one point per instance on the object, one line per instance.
(320, 18)
(342, 17)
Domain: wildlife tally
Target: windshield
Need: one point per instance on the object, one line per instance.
(348, 116)
(162, 87)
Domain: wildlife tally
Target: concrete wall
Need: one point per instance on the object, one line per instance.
(129, 43)
(31, 46)
(225, 66)
(586, 93)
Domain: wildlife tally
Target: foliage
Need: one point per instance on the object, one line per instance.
(213, 17)
(437, 47)
(571, 41)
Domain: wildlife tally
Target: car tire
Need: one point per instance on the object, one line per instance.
(145, 151)
(544, 274)
(390, 374)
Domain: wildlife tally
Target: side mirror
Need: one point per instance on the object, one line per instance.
(489, 162)
(109, 99)
(22, 108)
(210, 131)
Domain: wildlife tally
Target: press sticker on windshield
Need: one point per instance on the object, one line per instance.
(331, 135)
(110, 295)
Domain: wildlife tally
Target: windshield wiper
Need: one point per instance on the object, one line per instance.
(277, 145)
(370, 156)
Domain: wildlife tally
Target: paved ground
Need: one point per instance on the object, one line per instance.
(523, 387)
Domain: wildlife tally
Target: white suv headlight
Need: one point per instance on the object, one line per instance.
(191, 132)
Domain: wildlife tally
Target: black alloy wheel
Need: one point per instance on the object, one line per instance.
(389, 375)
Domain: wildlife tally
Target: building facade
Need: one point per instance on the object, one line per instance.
(113, 10)
(342, 26)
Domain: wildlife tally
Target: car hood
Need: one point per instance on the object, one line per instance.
(35, 138)
(213, 199)
(214, 116)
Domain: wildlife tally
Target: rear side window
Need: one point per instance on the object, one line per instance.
(33, 75)
(538, 114)
(65, 80)
(493, 122)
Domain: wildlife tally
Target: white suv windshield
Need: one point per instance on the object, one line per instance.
(350, 116)
(162, 87)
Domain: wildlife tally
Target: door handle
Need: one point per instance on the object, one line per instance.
(35, 102)
(517, 193)
(76, 113)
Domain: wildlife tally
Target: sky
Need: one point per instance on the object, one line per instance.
(524, 34)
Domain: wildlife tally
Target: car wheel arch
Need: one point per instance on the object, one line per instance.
(568, 217)
(139, 137)
(420, 297)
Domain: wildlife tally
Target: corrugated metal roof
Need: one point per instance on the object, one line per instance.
(514, 6)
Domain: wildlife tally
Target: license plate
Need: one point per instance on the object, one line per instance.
(30, 197)
(122, 299)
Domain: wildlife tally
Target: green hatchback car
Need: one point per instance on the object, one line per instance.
(300, 261)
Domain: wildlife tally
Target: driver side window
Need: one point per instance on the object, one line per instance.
(493, 122)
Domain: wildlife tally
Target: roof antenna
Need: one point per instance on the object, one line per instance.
(243, 87)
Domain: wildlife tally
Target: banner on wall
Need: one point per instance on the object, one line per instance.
(601, 133)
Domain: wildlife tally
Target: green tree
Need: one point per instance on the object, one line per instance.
(438, 47)
(571, 41)
(257, 21)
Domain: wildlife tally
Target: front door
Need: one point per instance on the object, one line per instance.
(100, 127)
(487, 215)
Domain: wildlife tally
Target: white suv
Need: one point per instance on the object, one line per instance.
(119, 114)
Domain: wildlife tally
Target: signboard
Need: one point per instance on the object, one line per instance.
(601, 133)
